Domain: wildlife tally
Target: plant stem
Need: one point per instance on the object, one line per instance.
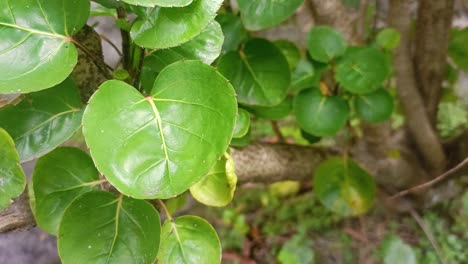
(127, 62)
(166, 211)
(277, 130)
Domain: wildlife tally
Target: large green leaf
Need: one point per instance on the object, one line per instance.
(100, 227)
(163, 27)
(374, 107)
(325, 44)
(320, 115)
(233, 30)
(189, 240)
(160, 145)
(12, 179)
(59, 177)
(205, 47)
(43, 120)
(344, 187)
(165, 3)
(261, 14)
(363, 70)
(259, 73)
(35, 48)
(218, 186)
(242, 123)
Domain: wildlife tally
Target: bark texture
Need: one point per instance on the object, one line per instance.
(17, 216)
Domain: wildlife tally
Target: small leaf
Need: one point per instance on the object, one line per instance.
(35, 49)
(263, 14)
(189, 240)
(163, 27)
(100, 227)
(396, 251)
(290, 51)
(242, 141)
(176, 203)
(59, 177)
(325, 44)
(43, 120)
(297, 250)
(12, 179)
(344, 187)
(458, 50)
(306, 75)
(164, 3)
(309, 137)
(218, 186)
(259, 73)
(374, 107)
(363, 70)
(233, 30)
(158, 146)
(242, 124)
(276, 112)
(388, 38)
(320, 115)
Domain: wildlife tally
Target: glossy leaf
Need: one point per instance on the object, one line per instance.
(205, 47)
(304, 76)
(259, 73)
(290, 51)
(344, 187)
(233, 30)
(242, 141)
(100, 227)
(189, 240)
(110, 3)
(163, 27)
(59, 177)
(12, 179)
(35, 48)
(363, 70)
(388, 38)
(43, 120)
(325, 43)
(242, 123)
(397, 251)
(263, 14)
(218, 186)
(320, 115)
(458, 50)
(164, 3)
(374, 107)
(158, 146)
(276, 112)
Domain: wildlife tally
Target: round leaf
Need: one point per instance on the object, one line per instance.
(388, 38)
(263, 14)
(276, 112)
(305, 75)
(290, 51)
(259, 73)
(320, 115)
(43, 120)
(35, 48)
(218, 186)
(99, 227)
(344, 187)
(242, 124)
(165, 3)
(325, 43)
(12, 179)
(363, 70)
(189, 240)
(374, 107)
(160, 145)
(242, 141)
(163, 27)
(397, 251)
(233, 30)
(59, 177)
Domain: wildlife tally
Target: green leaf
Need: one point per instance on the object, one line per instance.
(297, 250)
(242, 141)
(363, 70)
(59, 177)
(344, 187)
(276, 112)
(320, 115)
(458, 50)
(160, 145)
(263, 14)
(164, 3)
(163, 27)
(374, 107)
(12, 179)
(176, 203)
(352, 3)
(100, 227)
(43, 120)
(189, 240)
(309, 137)
(110, 3)
(396, 251)
(259, 73)
(290, 51)
(218, 186)
(325, 43)
(205, 47)
(233, 30)
(305, 76)
(35, 48)
(242, 123)
(388, 38)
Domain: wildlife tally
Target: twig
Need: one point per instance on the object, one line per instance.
(429, 235)
(127, 63)
(431, 182)
(106, 39)
(137, 72)
(277, 130)
(103, 67)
